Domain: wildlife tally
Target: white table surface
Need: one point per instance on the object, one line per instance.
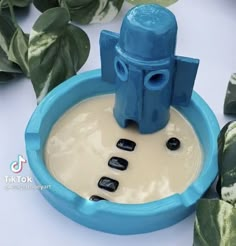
(206, 31)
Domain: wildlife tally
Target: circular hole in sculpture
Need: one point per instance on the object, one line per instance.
(121, 70)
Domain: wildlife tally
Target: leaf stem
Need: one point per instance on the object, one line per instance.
(63, 2)
(13, 17)
(1, 3)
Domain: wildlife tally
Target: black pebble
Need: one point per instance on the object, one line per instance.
(118, 163)
(96, 198)
(108, 184)
(173, 144)
(126, 144)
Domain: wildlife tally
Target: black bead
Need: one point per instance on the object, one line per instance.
(118, 163)
(126, 144)
(108, 184)
(173, 144)
(96, 198)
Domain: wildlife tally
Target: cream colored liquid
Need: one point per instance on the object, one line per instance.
(84, 139)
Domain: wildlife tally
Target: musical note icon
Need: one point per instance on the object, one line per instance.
(17, 166)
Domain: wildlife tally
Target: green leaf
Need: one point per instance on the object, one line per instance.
(57, 50)
(84, 11)
(7, 29)
(215, 223)
(8, 69)
(18, 51)
(17, 3)
(227, 162)
(43, 5)
(161, 2)
(230, 97)
(92, 11)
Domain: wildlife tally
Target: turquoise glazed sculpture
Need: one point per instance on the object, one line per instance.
(148, 75)
(146, 78)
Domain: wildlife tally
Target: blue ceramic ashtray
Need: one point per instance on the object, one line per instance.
(129, 148)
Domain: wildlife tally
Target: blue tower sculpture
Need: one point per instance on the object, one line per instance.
(141, 62)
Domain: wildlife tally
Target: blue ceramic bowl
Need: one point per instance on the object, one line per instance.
(104, 215)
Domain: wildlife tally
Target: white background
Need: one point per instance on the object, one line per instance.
(206, 31)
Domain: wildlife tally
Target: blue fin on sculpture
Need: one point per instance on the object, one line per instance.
(185, 74)
(108, 41)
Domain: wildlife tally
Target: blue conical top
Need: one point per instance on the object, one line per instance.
(148, 32)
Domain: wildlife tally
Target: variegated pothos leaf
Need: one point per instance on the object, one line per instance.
(43, 5)
(215, 223)
(17, 3)
(227, 162)
(85, 11)
(230, 97)
(7, 29)
(57, 50)
(97, 11)
(8, 69)
(18, 51)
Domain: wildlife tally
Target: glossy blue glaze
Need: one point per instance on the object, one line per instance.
(104, 215)
(141, 62)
